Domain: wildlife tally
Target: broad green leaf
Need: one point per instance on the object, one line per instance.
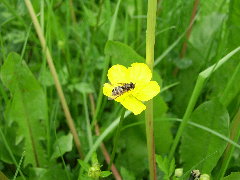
(122, 53)
(200, 149)
(27, 108)
(105, 174)
(162, 129)
(62, 145)
(233, 176)
(133, 155)
(204, 32)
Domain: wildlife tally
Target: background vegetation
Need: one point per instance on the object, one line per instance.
(35, 140)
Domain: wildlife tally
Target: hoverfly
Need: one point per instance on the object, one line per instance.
(121, 89)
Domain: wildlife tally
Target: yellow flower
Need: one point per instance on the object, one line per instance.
(130, 86)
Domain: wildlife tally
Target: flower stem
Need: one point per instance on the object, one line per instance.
(116, 138)
(150, 41)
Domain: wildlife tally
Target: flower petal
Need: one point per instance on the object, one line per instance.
(139, 73)
(145, 92)
(134, 105)
(118, 74)
(107, 90)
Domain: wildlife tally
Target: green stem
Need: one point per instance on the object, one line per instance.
(10, 152)
(229, 93)
(139, 5)
(196, 92)
(19, 166)
(116, 138)
(103, 135)
(53, 71)
(191, 105)
(235, 133)
(150, 42)
(88, 125)
(63, 161)
(106, 64)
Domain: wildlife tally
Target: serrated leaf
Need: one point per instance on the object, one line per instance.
(171, 168)
(233, 176)
(27, 108)
(122, 53)
(200, 149)
(162, 164)
(165, 166)
(62, 145)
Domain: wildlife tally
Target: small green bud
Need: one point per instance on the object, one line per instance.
(204, 177)
(178, 172)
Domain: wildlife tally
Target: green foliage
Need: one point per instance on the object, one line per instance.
(122, 53)
(199, 149)
(135, 159)
(126, 174)
(162, 133)
(62, 145)
(27, 107)
(54, 172)
(232, 176)
(92, 171)
(165, 166)
(225, 74)
(30, 110)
